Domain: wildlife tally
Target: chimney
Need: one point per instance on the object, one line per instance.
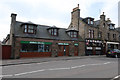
(13, 18)
(75, 16)
(108, 20)
(102, 17)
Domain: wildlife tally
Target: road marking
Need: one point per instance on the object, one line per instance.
(77, 66)
(116, 77)
(107, 62)
(59, 68)
(6, 75)
(67, 68)
(29, 72)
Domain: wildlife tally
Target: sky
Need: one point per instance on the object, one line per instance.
(53, 12)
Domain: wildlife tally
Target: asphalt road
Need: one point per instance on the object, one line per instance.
(99, 67)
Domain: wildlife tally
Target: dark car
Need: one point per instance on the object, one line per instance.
(113, 53)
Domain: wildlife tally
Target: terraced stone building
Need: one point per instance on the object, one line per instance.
(99, 35)
(84, 36)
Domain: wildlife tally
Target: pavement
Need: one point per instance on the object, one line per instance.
(41, 59)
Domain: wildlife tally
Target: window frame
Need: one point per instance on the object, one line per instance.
(53, 31)
(74, 34)
(29, 29)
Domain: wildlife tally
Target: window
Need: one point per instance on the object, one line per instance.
(29, 48)
(35, 48)
(99, 34)
(30, 29)
(53, 32)
(88, 21)
(103, 24)
(91, 33)
(108, 36)
(25, 29)
(73, 34)
(111, 26)
(114, 36)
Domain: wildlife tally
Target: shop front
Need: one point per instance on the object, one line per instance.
(35, 49)
(112, 45)
(63, 49)
(93, 47)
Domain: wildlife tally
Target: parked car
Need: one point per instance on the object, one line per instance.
(113, 53)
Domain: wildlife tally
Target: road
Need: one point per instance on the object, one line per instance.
(99, 67)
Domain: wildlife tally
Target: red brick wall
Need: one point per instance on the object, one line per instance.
(35, 54)
(6, 51)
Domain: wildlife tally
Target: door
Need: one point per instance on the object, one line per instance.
(76, 51)
(63, 50)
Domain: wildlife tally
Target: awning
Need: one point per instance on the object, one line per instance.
(113, 43)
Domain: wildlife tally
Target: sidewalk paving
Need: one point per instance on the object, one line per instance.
(41, 59)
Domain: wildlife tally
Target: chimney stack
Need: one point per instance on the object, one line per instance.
(13, 17)
(102, 17)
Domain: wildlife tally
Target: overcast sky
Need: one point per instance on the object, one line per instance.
(53, 12)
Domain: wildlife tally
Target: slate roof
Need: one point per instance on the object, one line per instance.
(43, 33)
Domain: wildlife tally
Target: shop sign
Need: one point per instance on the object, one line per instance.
(34, 42)
(89, 47)
(98, 48)
(76, 44)
(63, 43)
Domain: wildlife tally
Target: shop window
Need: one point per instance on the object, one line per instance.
(35, 48)
(29, 48)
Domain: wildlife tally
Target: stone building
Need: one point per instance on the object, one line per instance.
(84, 36)
(33, 40)
(99, 35)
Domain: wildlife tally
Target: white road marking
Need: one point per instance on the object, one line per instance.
(107, 62)
(29, 72)
(116, 77)
(59, 68)
(67, 68)
(6, 75)
(77, 66)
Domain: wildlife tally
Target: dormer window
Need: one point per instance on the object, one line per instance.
(111, 26)
(53, 31)
(72, 33)
(30, 29)
(90, 20)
